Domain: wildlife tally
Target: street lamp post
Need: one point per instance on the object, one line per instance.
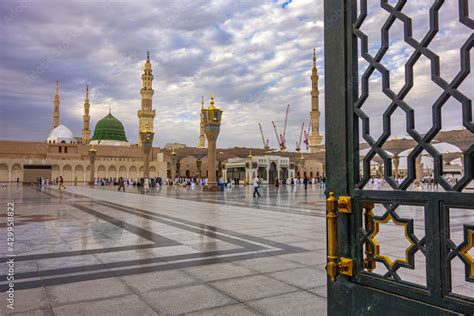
(250, 169)
(92, 155)
(302, 165)
(211, 117)
(146, 136)
(173, 165)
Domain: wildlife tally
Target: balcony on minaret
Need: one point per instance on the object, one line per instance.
(146, 114)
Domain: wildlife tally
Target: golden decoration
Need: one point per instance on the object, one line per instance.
(386, 258)
(465, 251)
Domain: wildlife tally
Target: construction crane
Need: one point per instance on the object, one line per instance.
(276, 134)
(265, 143)
(306, 136)
(282, 138)
(298, 143)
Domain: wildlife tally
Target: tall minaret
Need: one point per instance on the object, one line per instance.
(202, 135)
(146, 114)
(56, 107)
(314, 138)
(86, 132)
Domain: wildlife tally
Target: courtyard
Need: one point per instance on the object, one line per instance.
(174, 251)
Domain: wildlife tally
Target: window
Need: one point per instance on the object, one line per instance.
(60, 149)
(65, 150)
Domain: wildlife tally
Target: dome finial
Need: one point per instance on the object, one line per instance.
(202, 102)
(147, 55)
(57, 87)
(211, 102)
(110, 110)
(87, 91)
(314, 56)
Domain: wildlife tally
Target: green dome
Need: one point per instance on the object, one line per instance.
(109, 128)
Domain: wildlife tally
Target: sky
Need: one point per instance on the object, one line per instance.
(254, 56)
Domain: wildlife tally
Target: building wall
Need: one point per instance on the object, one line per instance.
(72, 160)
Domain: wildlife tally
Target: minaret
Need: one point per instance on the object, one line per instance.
(146, 114)
(202, 135)
(314, 138)
(56, 107)
(86, 132)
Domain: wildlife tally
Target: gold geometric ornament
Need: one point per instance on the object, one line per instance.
(386, 258)
(465, 251)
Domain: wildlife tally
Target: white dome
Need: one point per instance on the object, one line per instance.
(61, 134)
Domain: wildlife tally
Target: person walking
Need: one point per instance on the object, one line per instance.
(61, 183)
(121, 184)
(146, 185)
(256, 184)
(277, 183)
(305, 182)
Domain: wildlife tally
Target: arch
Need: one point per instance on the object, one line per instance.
(17, 172)
(88, 173)
(67, 173)
(55, 172)
(262, 173)
(188, 166)
(204, 161)
(101, 171)
(4, 173)
(153, 172)
(122, 172)
(141, 171)
(112, 172)
(284, 173)
(272, 172)
(132, 172)
(79, 173)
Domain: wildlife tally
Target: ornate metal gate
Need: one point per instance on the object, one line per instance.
(400, 226)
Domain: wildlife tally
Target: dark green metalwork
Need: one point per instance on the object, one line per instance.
(366, 292)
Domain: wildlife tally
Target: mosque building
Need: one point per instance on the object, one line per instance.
(64, 154)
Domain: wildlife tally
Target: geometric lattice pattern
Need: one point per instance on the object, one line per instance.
(369, 237)
(397, 100)
(462, 251)
(408, 227)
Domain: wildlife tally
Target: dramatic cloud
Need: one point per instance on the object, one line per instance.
(254, 56)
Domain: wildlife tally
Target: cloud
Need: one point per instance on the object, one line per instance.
(254, 56)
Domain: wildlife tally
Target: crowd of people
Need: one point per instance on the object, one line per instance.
(427, 183)
(375, 183)
(148, 183)
(258, 182)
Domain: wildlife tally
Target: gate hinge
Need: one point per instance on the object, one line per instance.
(346, 266)
(344, 204)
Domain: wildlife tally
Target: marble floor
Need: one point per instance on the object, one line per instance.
(179, 251)
(97, 251)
